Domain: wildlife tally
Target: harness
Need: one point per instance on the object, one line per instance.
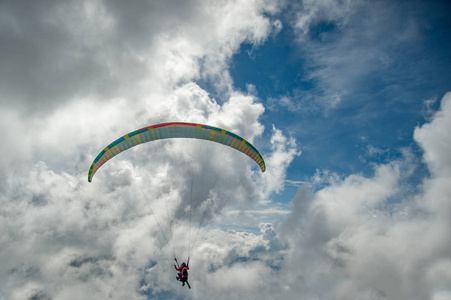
(184, 272)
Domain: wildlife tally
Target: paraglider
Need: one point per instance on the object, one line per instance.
(176, 130)
(183, 272)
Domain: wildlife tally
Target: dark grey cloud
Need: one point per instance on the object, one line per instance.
(44, 62)
(54, 52)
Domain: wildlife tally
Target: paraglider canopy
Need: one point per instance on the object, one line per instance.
(176, 130)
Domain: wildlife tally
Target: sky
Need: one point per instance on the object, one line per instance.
(349, 102)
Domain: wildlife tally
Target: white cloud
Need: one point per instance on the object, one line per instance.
(434, 138)
(284, 150)
(313, 11)
(348, 45)
(75, 77)
(353, 242)
(428, 108)
(101, 49)
(373, 151)
(67, 97)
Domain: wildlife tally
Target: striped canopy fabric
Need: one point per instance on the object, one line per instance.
(176, 130)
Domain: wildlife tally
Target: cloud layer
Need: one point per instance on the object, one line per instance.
(75, 76)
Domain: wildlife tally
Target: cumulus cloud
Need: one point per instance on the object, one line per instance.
(284, 151)
(353, 242)
(76, 76)
(433, 137)
(346, 239)
(108, 49)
